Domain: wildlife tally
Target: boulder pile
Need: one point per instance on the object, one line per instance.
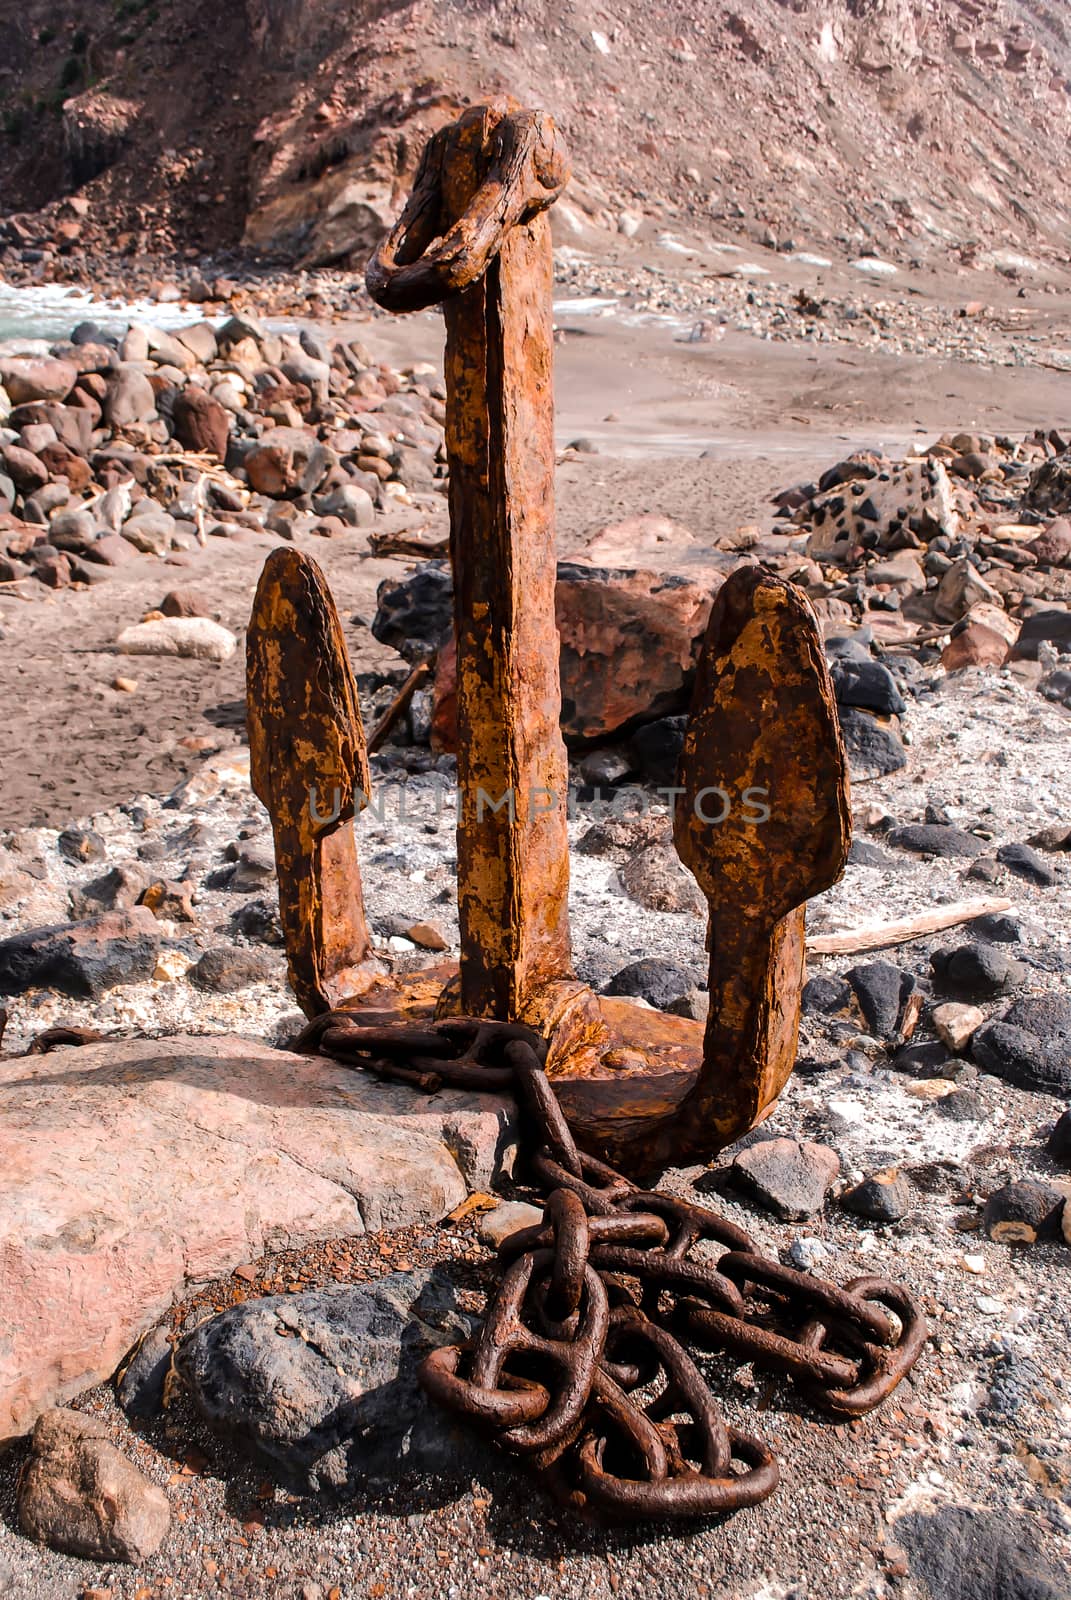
(156, 441)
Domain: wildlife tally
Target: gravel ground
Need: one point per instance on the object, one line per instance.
(985, 1420)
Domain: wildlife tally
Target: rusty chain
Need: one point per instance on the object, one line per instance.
(579, 1366)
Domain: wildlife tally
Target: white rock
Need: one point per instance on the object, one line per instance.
(956, 1023)
(198, 637)
(507, 1219)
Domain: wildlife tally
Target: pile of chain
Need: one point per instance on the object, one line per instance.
(579, 1366)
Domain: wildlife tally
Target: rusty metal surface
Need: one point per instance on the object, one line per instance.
(309, 767)
(579, 1368)
(483, 185)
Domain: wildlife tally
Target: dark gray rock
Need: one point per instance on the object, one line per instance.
(1022, 1058)
(1059, 1142)
(977, 971)
(1047, 1016)
(866, 684)
(322, 1385)
(656, 748)
(967, 1553)
(601, 769)
(1026, 863)
(658, 982)
(1052, 626)
(927, 1058)
(881, 990)
(873, 750)
(1023, 1213)
(825, 995)
(416, 614)
(864, 854)
(1018, 1384)
(140, 1383)
(881, 1197)
(788, 1178)
(1000, 927)
(936, 839)
(230, 967)
(81, 845)
(259, 920)
(962, 1105)
(82, 958)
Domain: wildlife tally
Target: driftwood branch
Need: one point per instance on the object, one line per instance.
(877, 935)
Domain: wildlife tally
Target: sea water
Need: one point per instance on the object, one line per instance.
(52, 310)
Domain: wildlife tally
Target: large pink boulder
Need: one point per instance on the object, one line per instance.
(131, 1169)
(29, 378)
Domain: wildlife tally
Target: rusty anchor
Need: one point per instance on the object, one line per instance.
(638, 1088)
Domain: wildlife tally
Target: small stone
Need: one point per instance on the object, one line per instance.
(229, 967)
(185, 603)
(974, 646)
(979, 971)
(962, 1105)
(881, 1197)
(125, 685)
(507, 1219)
(659, 982)
(825, 996)
(80, 1495)
(1026, 863)
(1022, 1213)
(82, 959)
(930, 1088)
(197, 637)
(974, 1265)
(657, 879)
(997, 926)
(1059, 1143)
(882, 990)
(788, 1178)
(140, 1382)
(806, 1254)
(935, 839)
(955, 1023)
(656, 749)
(171, 965)
(428, 935)
(170, 900)
(866, 684)
(873, 749)
(80, 845)
(1022, 1058)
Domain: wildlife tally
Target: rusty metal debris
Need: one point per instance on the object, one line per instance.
(580, 1366)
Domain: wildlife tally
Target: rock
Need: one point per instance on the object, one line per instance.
(978, 971)
(507, 1219)
(140, 1383)
(151, 532)
(808, 1254)
(185, 603)
(428, 935)
(350, 502)
(605, 767)
(1049, 489)
(937, 839)
(288, 462)
(115, 890)
(1053, 546)
(962, 587)
(1046, 1016)
(998, 926)
(1026, 863)
(1053, 627)
(974, 646)
(1059, 1141)
(415, 615)
(259, 919)
(657, 879)
(80, 845)
(201, 423)
(658, 982)
(130, 400)
(861, 853)
(956, 1023)
(629, 643)
(866, 684)
(882, 1197)
(962, 1105)
(657, 749)
(26, 472)
(32, 378)
(1056, 686)
(230, 967)
(873, 749)
(197, 637)
(134, 1168)
(169, 900)
(882, 991)
(321, 1385)
(788, 1178)
(255, 867)
(80, 1495)
(1023, 1213)
(82, 958)
(825, 996)
(974, 1553)
(1021, 1058)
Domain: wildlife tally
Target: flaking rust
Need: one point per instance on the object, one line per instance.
(639, 1088)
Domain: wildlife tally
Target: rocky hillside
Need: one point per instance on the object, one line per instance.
(909, 129)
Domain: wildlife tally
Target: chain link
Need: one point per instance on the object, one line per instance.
(579, 1366)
